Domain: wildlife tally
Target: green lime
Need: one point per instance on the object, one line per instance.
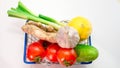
(86, 53)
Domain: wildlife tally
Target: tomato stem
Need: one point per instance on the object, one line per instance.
(67, 63)
(37, 59)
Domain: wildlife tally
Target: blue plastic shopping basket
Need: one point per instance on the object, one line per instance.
(29, 39)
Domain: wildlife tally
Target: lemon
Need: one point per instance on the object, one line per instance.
(82, 25)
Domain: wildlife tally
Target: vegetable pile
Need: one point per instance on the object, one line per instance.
(58, 42)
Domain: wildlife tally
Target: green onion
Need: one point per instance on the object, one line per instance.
(24, 13)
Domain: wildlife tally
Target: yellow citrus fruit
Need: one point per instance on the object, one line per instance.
(82, 25)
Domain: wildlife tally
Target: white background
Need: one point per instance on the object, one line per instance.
(103, 14)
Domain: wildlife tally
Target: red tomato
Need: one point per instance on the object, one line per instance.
(35, 52)
(66, 56)
(51, 53)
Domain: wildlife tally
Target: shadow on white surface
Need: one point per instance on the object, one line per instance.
(57, 66)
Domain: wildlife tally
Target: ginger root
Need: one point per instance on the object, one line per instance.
(39, 33)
